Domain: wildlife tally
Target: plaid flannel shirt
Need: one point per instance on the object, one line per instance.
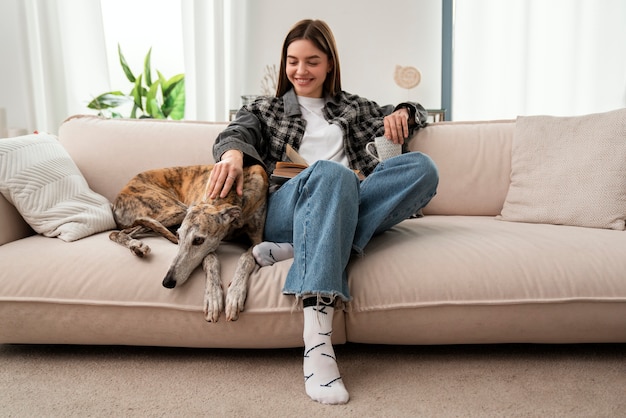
(262, 129)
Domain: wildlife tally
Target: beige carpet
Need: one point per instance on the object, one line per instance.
(384, 381)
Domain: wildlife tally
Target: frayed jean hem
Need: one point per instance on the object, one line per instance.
(337, 296)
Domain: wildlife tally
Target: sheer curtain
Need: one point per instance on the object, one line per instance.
(65, 57)
(207, 38)
(522, 57)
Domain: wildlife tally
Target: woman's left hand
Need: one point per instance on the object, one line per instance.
(397, 126)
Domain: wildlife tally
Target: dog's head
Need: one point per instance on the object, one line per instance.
(200, 233)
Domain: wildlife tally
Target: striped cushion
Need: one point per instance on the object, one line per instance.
(40, 179)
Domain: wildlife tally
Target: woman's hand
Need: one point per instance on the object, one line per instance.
(397, 126)
(226, 173)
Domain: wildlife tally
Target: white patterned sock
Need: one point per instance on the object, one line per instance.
(322, 380)
(268, 252)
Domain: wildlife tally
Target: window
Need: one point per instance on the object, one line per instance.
(137, 26)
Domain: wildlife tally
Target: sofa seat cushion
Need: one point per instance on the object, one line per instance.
(93, 291)
(471, 279)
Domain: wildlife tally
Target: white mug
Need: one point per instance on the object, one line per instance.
(385, 148)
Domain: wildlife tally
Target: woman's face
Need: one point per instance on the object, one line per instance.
(307, 68)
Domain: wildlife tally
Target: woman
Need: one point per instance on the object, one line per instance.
(325, 211)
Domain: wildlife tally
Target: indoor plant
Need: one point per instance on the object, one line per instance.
(160, 99)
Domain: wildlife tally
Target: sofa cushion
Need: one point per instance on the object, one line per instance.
(93, 291)
(569, 171)
(473, 279)
(473, 162)
(109, 152)
(40, 179)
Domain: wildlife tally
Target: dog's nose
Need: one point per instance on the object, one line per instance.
(168, 282)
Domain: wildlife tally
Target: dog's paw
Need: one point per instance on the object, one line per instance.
(213, 303)
(235, 301)
(138, 248)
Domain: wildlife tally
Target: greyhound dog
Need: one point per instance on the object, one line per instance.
(162, 199)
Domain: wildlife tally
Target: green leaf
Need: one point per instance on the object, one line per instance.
(154, 110)
(109, 100)
(137, 93)
(124, 64)
(171, 83)
(174, 102)
(162, 81)
(152, 104)
(147, 71)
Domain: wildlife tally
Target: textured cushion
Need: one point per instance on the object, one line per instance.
(40, 179)
(569, 171)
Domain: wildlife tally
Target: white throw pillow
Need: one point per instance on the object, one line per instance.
(40, 179)
(569, 171)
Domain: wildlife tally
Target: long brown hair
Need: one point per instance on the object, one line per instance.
(319, 33)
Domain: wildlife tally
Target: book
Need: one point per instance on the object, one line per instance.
(286, 170)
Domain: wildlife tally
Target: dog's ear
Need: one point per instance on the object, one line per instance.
(230, 213)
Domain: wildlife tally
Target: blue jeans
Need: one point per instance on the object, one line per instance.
(326, 213)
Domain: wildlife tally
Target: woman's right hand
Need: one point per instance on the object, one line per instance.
(226, 173)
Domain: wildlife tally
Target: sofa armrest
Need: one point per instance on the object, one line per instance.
(12, 225)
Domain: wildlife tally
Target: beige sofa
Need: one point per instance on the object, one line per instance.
(457, 275)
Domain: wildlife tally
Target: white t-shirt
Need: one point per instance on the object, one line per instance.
(322, 140)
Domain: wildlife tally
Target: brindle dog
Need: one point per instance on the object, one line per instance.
(160, 200)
